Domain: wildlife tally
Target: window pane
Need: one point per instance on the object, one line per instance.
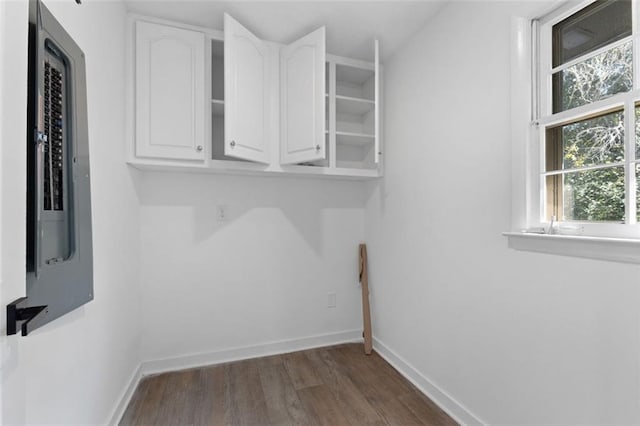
(593, 27)
(591, 195)
(599, 140)
(596, 78)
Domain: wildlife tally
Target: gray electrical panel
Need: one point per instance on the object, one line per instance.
(59, 254)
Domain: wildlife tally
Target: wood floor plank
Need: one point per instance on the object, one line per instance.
(322, 407)
(382, 371)
(244, 404)
(363, 374)
(208, 408)
(394, 412)
(301, 370)
(269, 361)
(147, 412)
(352, 402)
(377, 384)
(337, 385)
(134, 407)
(424, 408)
(175, 403)
(283, 405)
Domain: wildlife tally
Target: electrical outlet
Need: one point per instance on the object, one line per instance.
(331, 299)
(222, 212)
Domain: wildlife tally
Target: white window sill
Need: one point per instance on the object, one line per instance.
(626, 250)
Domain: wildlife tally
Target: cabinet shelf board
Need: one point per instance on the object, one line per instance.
(338, 172)
(253, 169)
(351, 105)
(357, 139)
(217, 106)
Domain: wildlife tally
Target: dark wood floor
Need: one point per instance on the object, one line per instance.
(337, 385)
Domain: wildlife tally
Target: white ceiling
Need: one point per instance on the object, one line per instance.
(351, 25)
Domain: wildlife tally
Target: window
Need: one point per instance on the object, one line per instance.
(587, 118)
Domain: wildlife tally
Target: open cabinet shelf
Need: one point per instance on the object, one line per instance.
(353, 113)
(218, 105)
(355, 81)
(355, 106)
(356, 139)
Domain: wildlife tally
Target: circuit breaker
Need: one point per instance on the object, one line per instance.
(59, 256)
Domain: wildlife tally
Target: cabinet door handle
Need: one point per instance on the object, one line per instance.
(199, 148)
(317, 147)
(232, 144)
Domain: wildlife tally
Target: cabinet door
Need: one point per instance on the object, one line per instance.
(302, 99)
(170, 95)
(378, 146)
(246, 93)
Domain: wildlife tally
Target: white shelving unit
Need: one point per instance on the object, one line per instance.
(353, 113)
(346, 146)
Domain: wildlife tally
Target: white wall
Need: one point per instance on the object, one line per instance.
(258, 278)
(12, 199)
(517, 338)
(74, 369)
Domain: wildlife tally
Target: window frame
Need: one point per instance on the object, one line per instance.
(542, 118)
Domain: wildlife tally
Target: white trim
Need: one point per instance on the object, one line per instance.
(584, 169)
(333, 158)
(527, 149)
(147, 368)
(605, 106)
(446, 402)
(350, 62)
(631, 207)
(523, 149)
(125, 397)
(591, 54)
(254, 169)
(213, 33)
(624, 250)
(561, 10)
(442, 399)
(246, 352)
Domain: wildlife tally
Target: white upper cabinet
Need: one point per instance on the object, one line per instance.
(169, 92)
(227, 101)
(247, 94)
(302, 99)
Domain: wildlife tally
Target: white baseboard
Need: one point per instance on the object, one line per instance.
(445, 401)
(123, 402)
(247, 352)
(226, 355)
(452, 407)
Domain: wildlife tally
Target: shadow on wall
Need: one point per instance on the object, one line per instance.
(377, 190)
(251, 201)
